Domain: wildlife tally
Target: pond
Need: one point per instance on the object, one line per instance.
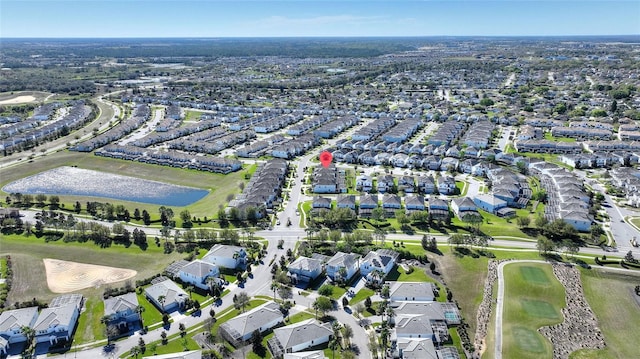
(74, 181)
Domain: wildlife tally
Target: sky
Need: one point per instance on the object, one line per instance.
(305, 18)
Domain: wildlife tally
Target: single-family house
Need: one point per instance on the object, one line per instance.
(426, 184)
(166, 296)
(122, 310)
(406, 184)
(412, 348)
(342, 266)
(346, 201)
(438, 209)
(364, 183)
(391, 203)
(198, 273)
(11, 324)
(381, 260)
(227, 256)
(464, 206)
(320, 202)
(313, 354)
(59, 320)
(385, 183)
(414, 203)
(368, 202)
(298, 337)
(446, 185)
(239, 329)
(489, 203)
(414, 327)
(412, 291)
(305, 269)
(578, 220)
(436, 311)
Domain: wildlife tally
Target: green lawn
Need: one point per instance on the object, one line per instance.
(89, 326)
(465, 278)
(416, 275)
(3, 267)
(533, 298)
(550, 137)
(151, 314)
(361, 295)
(611, 298)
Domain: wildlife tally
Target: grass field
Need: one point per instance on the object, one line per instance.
(533, 298)
(89, 326)
(610, 296)
(29, 272)
(465, 277)
(220, 186)
(361, 295)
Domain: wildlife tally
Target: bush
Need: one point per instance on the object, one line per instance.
(326, 290)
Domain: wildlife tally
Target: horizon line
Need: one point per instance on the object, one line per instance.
(310, 37)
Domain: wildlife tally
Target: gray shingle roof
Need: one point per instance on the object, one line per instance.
(254, 319)
(17, 318)
(198, 268)
(120, 303)
(302, 332)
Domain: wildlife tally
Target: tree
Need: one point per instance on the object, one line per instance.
(367, 302)
(142, 345)
(326, 290)
(322, 305)
(540, 222)
(486, 102)
(523, 222)
(140, 309)
(359, 309)
(190, 289)
(629, 257)
(596, 231)
(384, 293)
(284, 291)
(30, 335)
(135, 351)
(559, 230)
(333, 345)
(41, 198)
(377, 214)
(474, 221)
(274, 287)
(185, 216)
(347, 334)
(545, 246)
(163, 336)
(256, 343)
(571, 247)
(380, 235)
(241, 300)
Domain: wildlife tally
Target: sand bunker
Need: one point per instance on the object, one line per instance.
(65, 276)
(18, 100)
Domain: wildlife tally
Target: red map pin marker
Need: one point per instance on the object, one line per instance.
(325, 158)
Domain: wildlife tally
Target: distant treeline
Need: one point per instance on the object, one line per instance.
(228, 47)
